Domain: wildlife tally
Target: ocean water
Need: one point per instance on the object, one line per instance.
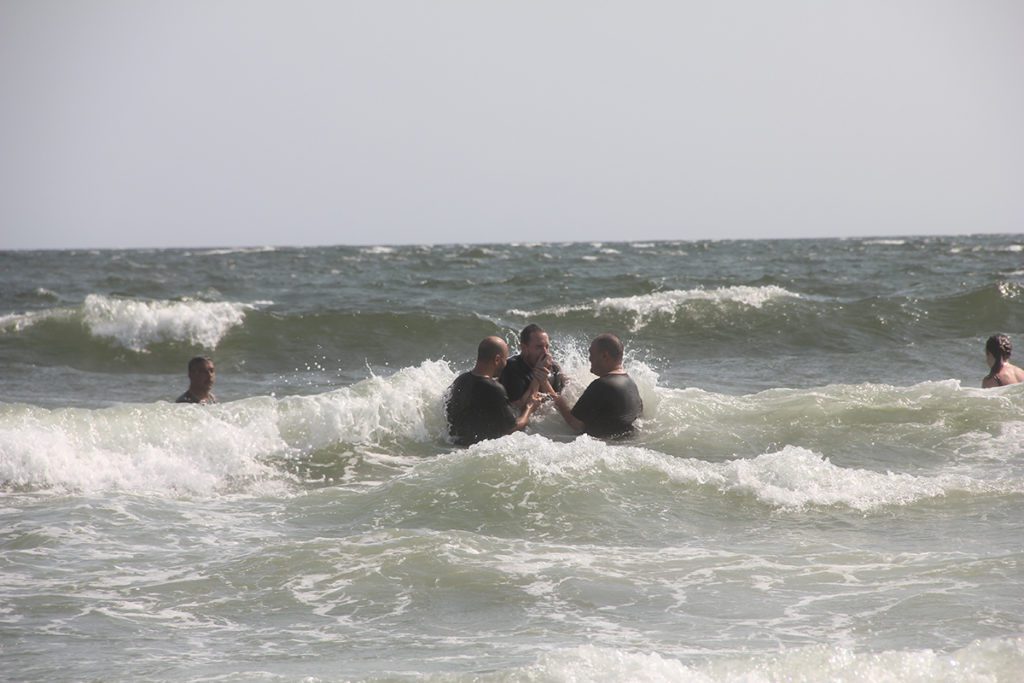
(819, 489)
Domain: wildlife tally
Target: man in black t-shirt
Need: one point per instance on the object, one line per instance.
(533, 360)
(610, 405)
(477, 406)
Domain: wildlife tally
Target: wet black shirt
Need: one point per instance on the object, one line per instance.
(478, 409)
(609, 406)
(187, 397)
(518, 374)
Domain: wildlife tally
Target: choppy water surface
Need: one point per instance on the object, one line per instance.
(818, 491)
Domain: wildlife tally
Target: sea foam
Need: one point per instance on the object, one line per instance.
(173, 449)
(667, 303)
(137, 324)
(983, 661)
(792, 478)
(17, 322)
(645, 307)
(156, 448)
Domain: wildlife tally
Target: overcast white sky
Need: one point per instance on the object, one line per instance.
(139, 123)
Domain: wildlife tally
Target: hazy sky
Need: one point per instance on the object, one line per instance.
(134, 123)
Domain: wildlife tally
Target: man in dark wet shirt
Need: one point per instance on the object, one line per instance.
(477, 406)
(533, 360)
(201, 376)
(611, 403)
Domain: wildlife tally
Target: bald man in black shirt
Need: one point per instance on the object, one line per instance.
(477, 406)
(610, 405)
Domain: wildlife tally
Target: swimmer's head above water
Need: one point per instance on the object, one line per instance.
(998, 349)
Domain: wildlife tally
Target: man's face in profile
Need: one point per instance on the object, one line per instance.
(600, 362)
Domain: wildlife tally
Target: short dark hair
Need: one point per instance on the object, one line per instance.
(196, 361)
(610, 344)
(529, 331)
(489, 348)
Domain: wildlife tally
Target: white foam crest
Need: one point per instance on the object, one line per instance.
(162, 447)
(137, 324)
(1005, 446)
(237, 250)
(796, 478)
(668, 302)
(793, 478)
(406, 405)
(557, 311)
(377, 250)
(644, 307)
(983, 661)
(16, 322)
(176, 448)
(886, 243)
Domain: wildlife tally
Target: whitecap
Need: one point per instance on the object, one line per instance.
(796, 478)
(793, 478)
(667, 303)
(237, 250)
(994, 659)
(16, 322)
(162, 448)
(137, 324)
(171, 449)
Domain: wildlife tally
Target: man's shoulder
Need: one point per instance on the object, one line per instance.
(464, 378)
(469, 381)
(516, 364)
(611, 384)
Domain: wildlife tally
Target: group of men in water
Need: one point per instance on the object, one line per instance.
(498, 396)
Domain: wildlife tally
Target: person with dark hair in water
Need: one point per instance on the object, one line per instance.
(201, 376)
(997, 355)
(522, 373)
(477, 406)
(611, 403)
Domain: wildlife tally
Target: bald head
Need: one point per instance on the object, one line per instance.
(490, 347)
(491, 356)
(610, 344)
(606, 353)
